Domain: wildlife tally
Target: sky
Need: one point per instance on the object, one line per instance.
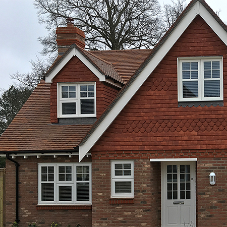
(20, 30)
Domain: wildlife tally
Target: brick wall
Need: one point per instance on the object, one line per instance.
(76, 71)
(29, 212)
(211, 200)
(143, 210)
(153, 126)
(152, 120)
(2, 197)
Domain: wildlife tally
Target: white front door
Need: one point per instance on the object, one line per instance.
(178, 194)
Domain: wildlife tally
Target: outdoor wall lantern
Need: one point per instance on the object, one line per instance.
(212, 178)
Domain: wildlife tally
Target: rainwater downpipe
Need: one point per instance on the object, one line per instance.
(17, 186)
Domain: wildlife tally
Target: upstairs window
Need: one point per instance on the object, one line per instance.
(76, 100)
(200, 79)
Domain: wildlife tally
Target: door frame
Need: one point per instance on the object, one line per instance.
(174, 160)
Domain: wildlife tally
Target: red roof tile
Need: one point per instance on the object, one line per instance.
(31, 128)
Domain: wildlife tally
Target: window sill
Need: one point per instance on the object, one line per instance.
(200, 103)
(121, 201)
(63, 207)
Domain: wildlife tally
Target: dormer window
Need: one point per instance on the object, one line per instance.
(200, 79)
(76, 100)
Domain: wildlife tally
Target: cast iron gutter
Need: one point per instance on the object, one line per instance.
(17, 186)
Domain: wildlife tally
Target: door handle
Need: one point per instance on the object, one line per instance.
(178, 202)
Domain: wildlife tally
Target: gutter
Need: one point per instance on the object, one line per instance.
(17, 186)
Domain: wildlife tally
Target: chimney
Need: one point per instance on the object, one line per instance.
(66, 36)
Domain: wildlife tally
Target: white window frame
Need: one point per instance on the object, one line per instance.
(61, 100)
(115, 178)
(58, 183)
(200, 61)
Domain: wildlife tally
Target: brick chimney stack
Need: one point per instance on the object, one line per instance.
(66, 36)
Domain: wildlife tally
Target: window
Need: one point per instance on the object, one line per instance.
(76, 100)
(122, 182)
(62, 183)
(200, 79)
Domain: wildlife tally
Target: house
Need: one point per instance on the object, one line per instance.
(125, 138)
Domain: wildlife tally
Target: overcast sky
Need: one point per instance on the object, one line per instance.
(19, 32)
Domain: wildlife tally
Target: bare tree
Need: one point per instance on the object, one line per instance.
(172, 12)
(112, 24)
(31, 79)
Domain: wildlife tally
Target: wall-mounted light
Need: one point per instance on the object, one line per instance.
(212, 178)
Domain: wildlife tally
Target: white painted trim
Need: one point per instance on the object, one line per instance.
(174, 160)
(39, 155)
(200, 60)
(198, 8)
(72, 183)
(67, 58)
(115, 178)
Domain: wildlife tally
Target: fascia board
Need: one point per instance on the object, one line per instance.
(215, 26)
(67, 58)
(197, 9)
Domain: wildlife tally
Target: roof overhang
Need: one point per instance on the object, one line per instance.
(196, 8)
(66, 58)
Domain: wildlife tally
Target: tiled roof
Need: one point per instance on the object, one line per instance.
(125, 62)
(31, 128)
(104, 66)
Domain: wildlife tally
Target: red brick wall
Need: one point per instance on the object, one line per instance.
(212, 203)
(29, 212)
(153, 126)
(152, 120)
(144, 210)
(76, 71)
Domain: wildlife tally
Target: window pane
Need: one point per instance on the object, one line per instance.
(87, 106)
(127, 172)
(69, 108)
(68, 169)
(61, 177)
(207, 65)
(61, 169)
(207, 74)
(194, 75)
(91, 87)
(127, 166)
(118, 173)
(79, 169)
(50, 177)
(83, 94)
(72, 94)
(91, 94)
(65, 193)
(118, 166)
(43, 177)
(82, 191)
(215, 65)
(64, 89)
(212, 88)
(194, 65)
(85, 169)
(83, 87)
(190, 89)
(123, 187)
(72, 88)
(47, 192)
(185, 65)
(50, 169)
(215, 73)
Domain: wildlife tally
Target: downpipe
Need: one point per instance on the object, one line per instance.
(17, 186)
